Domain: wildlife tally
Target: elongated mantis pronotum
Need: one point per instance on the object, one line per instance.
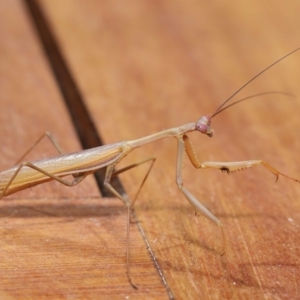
(80, 164)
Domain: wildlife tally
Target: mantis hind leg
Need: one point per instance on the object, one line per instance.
(78, 178)
(45, 134)
(54, 143)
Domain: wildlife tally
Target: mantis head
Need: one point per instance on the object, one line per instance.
(203, 126)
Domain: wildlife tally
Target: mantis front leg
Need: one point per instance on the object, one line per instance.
(189, 196)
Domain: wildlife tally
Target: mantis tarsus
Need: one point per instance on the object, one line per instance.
(80, 164)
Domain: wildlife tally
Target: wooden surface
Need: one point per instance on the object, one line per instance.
(143, 66)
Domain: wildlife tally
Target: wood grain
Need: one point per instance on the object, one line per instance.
(143, 66)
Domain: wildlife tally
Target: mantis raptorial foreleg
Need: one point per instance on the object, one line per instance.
(229, 166)
(184, 144)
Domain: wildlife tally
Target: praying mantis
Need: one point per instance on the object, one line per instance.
(80, 164)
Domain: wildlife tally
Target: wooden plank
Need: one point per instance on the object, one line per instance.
(145, 66)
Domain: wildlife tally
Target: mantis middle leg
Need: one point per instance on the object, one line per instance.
(110, 172)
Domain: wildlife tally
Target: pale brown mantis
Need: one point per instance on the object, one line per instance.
(82, 163)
